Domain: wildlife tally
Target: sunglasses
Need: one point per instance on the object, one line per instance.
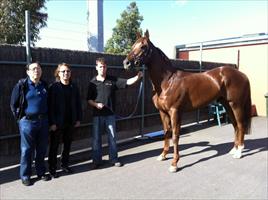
(67, 71)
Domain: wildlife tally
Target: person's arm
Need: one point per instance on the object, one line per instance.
(134, 79)
(91, 94)
(51, 107)
(95, 104)
(14, 101)
(52, 104)
(78, 104)
(78, 107)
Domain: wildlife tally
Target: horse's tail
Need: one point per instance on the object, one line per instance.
(247, 114)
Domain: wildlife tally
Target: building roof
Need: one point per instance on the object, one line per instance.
(248, 39)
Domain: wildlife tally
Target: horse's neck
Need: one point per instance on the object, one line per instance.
(160, 70)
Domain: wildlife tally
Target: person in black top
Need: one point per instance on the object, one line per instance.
(64, 115)
(29, 106)
(101, 92)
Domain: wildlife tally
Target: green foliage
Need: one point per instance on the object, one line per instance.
(124, 34)
(12, 20)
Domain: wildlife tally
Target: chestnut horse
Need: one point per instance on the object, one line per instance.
(176, 91)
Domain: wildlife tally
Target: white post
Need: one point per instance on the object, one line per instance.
(28, 36)
(201, 57)
(95, 25)
(200, 69)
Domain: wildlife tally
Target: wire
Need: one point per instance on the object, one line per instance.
(67, 21)
(68, 30)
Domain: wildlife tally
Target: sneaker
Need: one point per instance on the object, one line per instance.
(26, 182)
(45, 177)
(118, 164)
(67, 170)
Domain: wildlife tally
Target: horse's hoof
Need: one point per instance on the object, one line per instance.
(237, 154)
(161, 157)
(241, 147)
(173, 169)
(233, 150)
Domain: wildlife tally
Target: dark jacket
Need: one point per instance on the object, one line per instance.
(17, 101)
(56, 104)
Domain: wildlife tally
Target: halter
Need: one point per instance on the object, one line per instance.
(145, 54)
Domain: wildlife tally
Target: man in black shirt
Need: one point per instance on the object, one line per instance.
(101, 91)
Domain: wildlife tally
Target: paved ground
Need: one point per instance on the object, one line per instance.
(206, 171)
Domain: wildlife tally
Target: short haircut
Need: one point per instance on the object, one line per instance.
(28, 65)
(101, 60)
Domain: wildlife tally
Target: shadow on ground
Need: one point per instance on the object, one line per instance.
(253, 146)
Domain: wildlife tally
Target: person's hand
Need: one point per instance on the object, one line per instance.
(99, 105)
(140, 74)
(53, 127)
(77, 123)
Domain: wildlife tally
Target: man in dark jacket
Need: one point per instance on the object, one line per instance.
(64, 114)
(29, 107)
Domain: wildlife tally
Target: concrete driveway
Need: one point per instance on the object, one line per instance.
(206, 171)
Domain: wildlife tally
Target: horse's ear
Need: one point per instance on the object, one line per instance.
(138, 35)
(146, 34)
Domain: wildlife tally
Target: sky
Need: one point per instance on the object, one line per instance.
(170, 22)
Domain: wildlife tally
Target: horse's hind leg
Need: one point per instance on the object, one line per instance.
(236, 151)
(231, 116)
(167, 135)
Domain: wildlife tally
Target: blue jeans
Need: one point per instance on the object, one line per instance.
(34, 141)
(101, 124)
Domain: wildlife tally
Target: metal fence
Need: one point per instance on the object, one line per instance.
(12, 62)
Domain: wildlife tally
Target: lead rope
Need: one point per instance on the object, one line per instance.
(135, 108)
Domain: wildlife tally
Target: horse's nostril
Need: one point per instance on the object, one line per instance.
(137, 63)
(126, 63)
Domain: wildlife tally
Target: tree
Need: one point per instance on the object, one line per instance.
(12, 20)
(124, 33)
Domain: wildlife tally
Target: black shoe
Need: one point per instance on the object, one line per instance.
(67, 170)
(96, 166)
(26, 182)
(45, 177)
(54, 174)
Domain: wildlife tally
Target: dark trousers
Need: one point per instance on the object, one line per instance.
(63, 134)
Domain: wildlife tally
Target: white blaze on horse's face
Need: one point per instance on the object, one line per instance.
(133, 55)
(139, 48)
(138, 51)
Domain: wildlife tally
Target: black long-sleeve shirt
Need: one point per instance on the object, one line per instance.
(64, 104)
(104, 92)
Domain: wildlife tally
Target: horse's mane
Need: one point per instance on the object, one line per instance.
(164, 56)
(168, 60)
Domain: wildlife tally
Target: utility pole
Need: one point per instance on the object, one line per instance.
(28, 36)
(95, 26)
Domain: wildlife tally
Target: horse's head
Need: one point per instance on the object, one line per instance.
(140, 52)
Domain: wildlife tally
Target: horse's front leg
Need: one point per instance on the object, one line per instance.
(167, 134)
(175, 124)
